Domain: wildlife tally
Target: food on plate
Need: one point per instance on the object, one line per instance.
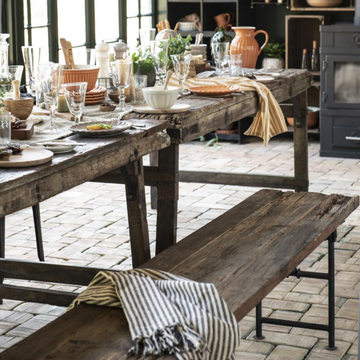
(5, 154)
(99, 127)
(15, 148)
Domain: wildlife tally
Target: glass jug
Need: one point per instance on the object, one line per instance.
(5, 80)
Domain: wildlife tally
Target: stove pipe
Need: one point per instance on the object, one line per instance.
(357, 13)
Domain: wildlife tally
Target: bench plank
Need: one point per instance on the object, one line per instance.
(246, 252)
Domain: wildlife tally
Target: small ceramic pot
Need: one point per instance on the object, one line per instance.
(273, 63)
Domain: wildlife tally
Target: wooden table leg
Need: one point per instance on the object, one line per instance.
(168, 195)
(136, 206)
(301, 167)
(154, 161)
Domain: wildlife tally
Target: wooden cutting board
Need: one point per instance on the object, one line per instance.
(23, 134)
(29, 157)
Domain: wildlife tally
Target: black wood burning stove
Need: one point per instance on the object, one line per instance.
(340, 91)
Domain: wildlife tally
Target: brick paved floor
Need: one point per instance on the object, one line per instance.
(88, 226)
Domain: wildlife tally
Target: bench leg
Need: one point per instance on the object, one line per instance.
(154, 159)
(259, 318)
(136, 207)
(38, 234)
(330, 276)
(168, 194)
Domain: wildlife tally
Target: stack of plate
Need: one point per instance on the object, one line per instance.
(95, 96)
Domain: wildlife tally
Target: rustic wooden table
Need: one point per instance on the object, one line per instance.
(209, 114)
(24, 187)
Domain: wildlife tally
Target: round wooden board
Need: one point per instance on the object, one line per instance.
(146, 109)
(29, 157)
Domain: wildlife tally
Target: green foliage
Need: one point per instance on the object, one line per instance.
(144, 60)
(274, 50)
(221, 36)
(179, 45)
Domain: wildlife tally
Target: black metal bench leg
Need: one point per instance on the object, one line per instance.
(38, 235)
(331, 295)
(258, 312)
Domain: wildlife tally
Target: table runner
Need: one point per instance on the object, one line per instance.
(269, 120)
(167, 314)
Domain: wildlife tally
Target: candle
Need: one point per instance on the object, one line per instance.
(62, 105)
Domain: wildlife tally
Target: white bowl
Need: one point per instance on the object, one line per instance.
(160, 99)
(186, 26)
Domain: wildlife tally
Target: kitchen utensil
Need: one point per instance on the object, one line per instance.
(235, 65)
(181, 65)
(20, 108)
(212, 90)
(5, 130)
(24, 133)
(146, 35)
(49, 76)
(117, 128)
(82, 73)
(15, 72)
(71, 56)
(31, 55)
(161, 99)
(75, 94)
(5, 80)
(64, 47)
(29, 157)
(140, 83)
(168, 77)
(121, 72)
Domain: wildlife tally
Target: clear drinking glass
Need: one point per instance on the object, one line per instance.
(5, 129)
(15, 72)
(159, 51)
(140, 83)
(146, 35)
(121, 72)
(75, 94)
(31, 55)
(181, 65)
(220, 52)
(49, 80)
(235, 65)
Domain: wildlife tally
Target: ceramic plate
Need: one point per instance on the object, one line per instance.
(116, 130)
(57, 148)
(146, 109)
(264, 78)
(213, 90)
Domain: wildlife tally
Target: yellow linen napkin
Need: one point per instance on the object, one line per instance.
(269, 120)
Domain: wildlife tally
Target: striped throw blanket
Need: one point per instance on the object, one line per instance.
(167, 314)
(269, 120)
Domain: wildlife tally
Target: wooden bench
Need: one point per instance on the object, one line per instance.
(246, 252)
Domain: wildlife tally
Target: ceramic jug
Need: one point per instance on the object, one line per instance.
(245, 44)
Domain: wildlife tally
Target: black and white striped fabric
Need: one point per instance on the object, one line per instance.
(168, 314)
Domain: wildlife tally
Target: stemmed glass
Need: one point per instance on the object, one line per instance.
(121, 72)
(146, 35)
(181, 65)
(220, 52)
(159, 51)
(75, 94)
(31, 55)
(49, 78)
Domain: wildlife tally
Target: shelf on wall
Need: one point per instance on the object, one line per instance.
(207, 34)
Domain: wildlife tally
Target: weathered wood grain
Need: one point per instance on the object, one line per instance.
(246, 252)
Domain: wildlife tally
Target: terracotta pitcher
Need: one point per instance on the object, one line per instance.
(245, 44)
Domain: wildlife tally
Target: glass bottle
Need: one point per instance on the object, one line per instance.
(314, 58)
(5, 80)
(304, 60)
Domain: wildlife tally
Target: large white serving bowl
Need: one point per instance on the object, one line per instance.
(159, 98)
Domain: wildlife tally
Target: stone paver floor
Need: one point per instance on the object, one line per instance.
(88, 226)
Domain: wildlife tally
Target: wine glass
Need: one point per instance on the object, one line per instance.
(49, 79)
(220, 52)
(181, 65)
(159, 51)
(121, 72)
(75, 94)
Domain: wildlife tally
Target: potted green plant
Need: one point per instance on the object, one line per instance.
(273, 52)
(143, 63)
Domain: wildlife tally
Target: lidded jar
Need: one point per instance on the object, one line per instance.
(122, 51)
